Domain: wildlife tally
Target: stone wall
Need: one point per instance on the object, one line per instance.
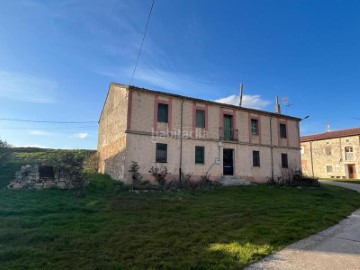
(112, 136)
(28, 177)
(328, 159)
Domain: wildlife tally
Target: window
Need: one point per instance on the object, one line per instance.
(256, 158)
(161, 152)
(284, 161)
(162, 113)
(283, 131)
(199, 154)
(329, 168)
(254, 127)
(302, 150)
(200, 118)
(349, 153)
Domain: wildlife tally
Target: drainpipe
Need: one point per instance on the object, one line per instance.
(181, 139)
(312, 163)
(271, 149)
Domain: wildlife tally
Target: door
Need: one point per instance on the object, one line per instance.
(351, 170)
(228, 162)
(227, 127)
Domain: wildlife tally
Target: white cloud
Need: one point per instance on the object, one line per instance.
(31, 145)
(26, 88)
(36, 132)
(80, 135)
(249, 101)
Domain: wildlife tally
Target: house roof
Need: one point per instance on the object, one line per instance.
(331, 135)
(131, 87)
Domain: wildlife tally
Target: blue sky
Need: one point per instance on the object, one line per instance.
(57, 59)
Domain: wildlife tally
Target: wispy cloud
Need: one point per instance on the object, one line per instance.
(80, 135)
(161, 79)
(26, 88)
(36, 132)
(249, 101)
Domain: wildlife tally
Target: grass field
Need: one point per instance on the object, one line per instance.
(108, 228)
(112, 228)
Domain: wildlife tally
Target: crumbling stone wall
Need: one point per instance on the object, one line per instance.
(28, 177)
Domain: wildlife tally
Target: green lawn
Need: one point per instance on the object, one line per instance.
(108, 228)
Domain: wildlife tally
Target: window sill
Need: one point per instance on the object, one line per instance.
(199, 163)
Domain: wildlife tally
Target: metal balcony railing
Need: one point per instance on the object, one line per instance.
(228, 134)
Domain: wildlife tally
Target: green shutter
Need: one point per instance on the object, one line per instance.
(199, 154)
(200, 119)
(162, 113)
(227, 127)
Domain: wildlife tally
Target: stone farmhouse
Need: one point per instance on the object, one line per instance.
(333, 154)
(189, 135)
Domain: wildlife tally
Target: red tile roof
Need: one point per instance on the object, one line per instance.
(331, 135)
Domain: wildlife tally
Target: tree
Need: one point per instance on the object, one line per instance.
(4, 151)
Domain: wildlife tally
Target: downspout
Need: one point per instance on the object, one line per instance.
(312, 162)
(181, 139)
(271, 149)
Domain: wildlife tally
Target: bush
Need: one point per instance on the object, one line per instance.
(159, 174)
(91, 163)
(293, 179)
(136, 176)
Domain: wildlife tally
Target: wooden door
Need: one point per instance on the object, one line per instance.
(351, 170)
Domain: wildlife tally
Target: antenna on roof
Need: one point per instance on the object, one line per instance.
(285, 101)
(328, 127)
(241, 94)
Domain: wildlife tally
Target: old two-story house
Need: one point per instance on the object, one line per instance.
(194, 136)
(333, 154)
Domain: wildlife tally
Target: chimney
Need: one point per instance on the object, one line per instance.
(241, 94)
(277, 105)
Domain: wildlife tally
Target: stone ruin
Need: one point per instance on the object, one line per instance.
(40, 177)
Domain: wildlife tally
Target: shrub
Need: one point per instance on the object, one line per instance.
(91, 163)
(136, 176)
(293, 178)
(159, 174)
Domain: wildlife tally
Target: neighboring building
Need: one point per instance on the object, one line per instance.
(333, 154)
(142, 125)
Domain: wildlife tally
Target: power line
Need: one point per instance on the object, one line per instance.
(46, 121)
(142, 42)
(70, 128)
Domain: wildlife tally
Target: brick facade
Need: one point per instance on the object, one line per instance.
(129, 131)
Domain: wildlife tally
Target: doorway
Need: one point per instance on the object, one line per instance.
(351, 171)
(228, 162)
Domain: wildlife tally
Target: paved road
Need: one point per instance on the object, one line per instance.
(337, 247)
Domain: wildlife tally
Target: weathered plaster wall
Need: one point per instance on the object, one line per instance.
(112, 136)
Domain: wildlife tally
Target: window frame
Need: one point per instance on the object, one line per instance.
(158, 158)
(327, 167)
(202, 161)
(256, 158)
(284, 160)
(196, 118)
(159, 120)
(256, 121)
(283, 130)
